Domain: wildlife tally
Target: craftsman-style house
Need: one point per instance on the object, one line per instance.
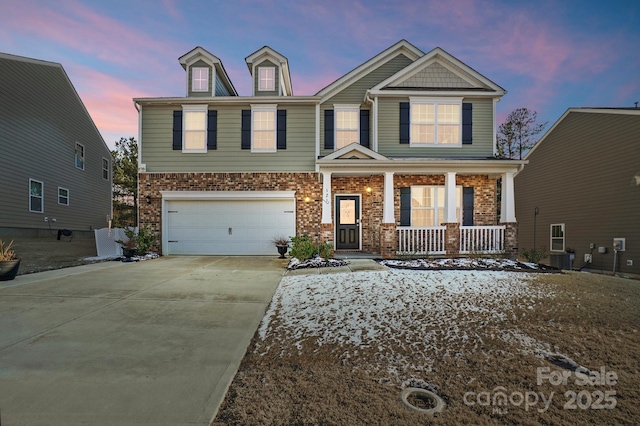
(396, 156)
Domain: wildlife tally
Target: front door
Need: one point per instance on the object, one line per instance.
(348, 222)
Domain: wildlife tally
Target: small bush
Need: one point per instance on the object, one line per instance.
(303, 248)
(142, 240)
(535, 255)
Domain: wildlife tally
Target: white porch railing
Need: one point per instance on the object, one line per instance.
(481, 239)
(427, 240)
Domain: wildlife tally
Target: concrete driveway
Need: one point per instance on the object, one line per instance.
(154, 342)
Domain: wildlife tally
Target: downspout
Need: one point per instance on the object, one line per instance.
(135, 105)
(374, 121)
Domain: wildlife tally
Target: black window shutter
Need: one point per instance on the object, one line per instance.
(328, 129)
(404, 122)
(246, 129)
(364, 127)
(467, 206)
(177, 130)
(282, 129)
(212, 129)
(405, 206)
(467, 122)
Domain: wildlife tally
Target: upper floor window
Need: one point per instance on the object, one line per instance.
(557, 237)
(195, 128)
(436, 122)
(63, 196)
(428, 204)
(36, 197)
(199, 79)
(347, 125)
(263, 136)
(79, 156)
(266, 78)
(105, 169)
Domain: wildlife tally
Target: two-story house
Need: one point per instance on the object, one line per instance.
(396, 156)
(55, 168)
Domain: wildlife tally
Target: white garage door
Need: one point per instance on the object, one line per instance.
(227, 227)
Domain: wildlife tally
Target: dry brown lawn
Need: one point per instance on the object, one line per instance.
(288, 379)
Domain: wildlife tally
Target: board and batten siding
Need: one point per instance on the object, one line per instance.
(389, 132)
(582, 175)
(354, 93)
(41, 118)
(158, 155)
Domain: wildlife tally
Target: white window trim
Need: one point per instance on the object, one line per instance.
(68, 196)
(460, 200)
(107, 169)
(274, 109)
(273, 81)
(434, 101)
(345, 108)
(41, 196)
(75, 156)
(551, 237)
(193, 79)
(194, 108)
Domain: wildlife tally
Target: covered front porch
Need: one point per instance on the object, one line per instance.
(423, 207)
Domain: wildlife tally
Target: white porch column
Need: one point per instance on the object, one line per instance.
(450, 198)
(326, 197)
(507, 205)
(388, 213)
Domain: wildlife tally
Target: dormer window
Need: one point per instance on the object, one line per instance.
(199, 79)
(266, 78)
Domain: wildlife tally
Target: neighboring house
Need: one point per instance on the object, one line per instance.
(581, 190)
(55, 168)
(396, 156)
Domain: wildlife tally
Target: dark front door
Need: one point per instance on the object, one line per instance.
(348, 222)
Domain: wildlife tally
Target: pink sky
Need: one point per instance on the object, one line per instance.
(549, 56)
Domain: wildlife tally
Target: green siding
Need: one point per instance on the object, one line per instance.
(354, 93)
(389, 132)
(199, 64)
(41, 118)
(158, 155)
(276, 83)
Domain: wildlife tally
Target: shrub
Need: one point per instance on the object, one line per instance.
(325, 250)
(6, 253)
(302, 247)
(142, 239)
(535, 255)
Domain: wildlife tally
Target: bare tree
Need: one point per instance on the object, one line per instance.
(517, 134)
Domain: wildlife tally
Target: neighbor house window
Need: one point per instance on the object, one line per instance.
(36, 198)
(105, 169)
(63, 196)
(347, 125)
(199, 79)
(263, 135)
(428, 204)
(436, 122)
(79, 156)
(266, 78)
(194, 128)
(557, 237)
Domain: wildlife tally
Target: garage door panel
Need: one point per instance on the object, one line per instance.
(235, 227)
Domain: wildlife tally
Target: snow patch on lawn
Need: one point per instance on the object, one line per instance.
(402, 319)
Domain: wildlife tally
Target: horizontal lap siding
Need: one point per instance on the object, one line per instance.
(389, 132)
(354, 93)
(582, 175)
(158, 155)
(41, 119)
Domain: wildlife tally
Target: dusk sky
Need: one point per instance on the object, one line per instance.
(548, 55)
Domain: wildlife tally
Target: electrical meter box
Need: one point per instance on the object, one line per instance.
(619, 243)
